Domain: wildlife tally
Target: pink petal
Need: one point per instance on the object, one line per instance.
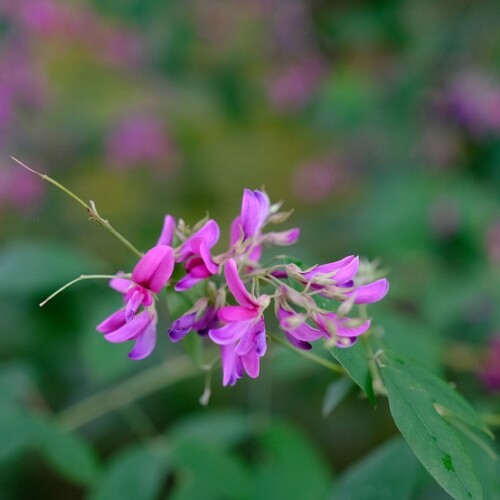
(344, 330)
(155, 268)
(344, 270)
(230, 333)
(230, 314)
(237, 287)
(236, 231)
(130, 330)
(121, 284)
(207, 258)
(254, 211)
(299, 344)
(112, 323)
(251, 363)
(283, 238)
(167, 232)
(232, 369)
(303, 332)
(145, 343)
(367, 294)
(134, 302)
(186, 283)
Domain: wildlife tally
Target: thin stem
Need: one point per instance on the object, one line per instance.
(309, 355)
(91, 209)
(491, 419)
(136, 387)
(76, 280)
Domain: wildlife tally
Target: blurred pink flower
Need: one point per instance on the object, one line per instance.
(490, 369)
(20, 190)
(493, 242)
(292, 87)
(137, 141)
(315, 182)
(444, 218)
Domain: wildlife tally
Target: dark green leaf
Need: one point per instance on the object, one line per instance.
(31, 267)
(134, 474)
(208, 472)
(388, 473)
(335, 393)
(18, 431)
(355, 361)
(293, 468)
(412, 393)
(71, 455)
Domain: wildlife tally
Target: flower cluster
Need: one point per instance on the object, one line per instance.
(239, 289)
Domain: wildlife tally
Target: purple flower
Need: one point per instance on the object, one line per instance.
(195, 252)
(148, 278)
(329, 325)
(201, 318)
(339, 278)
(243, 337)
(246, 236)
(167, 232)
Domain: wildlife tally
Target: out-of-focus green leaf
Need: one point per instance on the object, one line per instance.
(291, 467)
(487, 470)
(388, 473)
(208, 472)
(413, 393)
(222, 428)
(15, 382)
(18, 431)
(69, 454)
(134, 474)
(193, 345)
(354, 360)
(31, 267)
(335, 393)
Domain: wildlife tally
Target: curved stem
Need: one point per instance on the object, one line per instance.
(76, 280)
(136, 387)
(309, 355)
(91, 209)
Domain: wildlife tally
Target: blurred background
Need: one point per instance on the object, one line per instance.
(377, 121)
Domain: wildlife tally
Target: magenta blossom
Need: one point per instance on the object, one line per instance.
(344, 331)
(243, 337)
(200, 318)
(195, 252)
(246, 236)
(339, 278)
(148, 278)
(167, 232)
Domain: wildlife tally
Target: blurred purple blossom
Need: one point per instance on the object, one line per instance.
(490, 369)
(314, 182)
(473, 101)
(140, 140)
(20, 189)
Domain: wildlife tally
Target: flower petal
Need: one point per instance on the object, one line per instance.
(155, 268)
(121, 285)
(207, 258)
(187, 282)
(344, 342)
(232, 368)
(134, 301)
(236, 231)
(181, 327)
(254, 211)
(251, 363)
(303, 332)
(112, 323)
(299, 344)
(145, 343)
(283, 238)
(230, 314)
(130, 330)
(167, 232)
(236, 285)
(230, 333)
(341, 271)
(367, 294)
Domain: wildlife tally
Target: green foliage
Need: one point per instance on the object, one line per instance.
(413, 395)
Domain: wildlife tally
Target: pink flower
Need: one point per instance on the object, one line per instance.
(243, 338)
(195, 252)
(148, 278)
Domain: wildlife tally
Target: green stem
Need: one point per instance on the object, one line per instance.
(91, 209)
(136, 387)
(309, 355)
(76, 280)
(491, 419)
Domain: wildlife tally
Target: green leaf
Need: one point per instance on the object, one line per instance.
(413, 393)
(193, 345)
(335, 393)
(18, 432)
(355, 361)
(208, 472)
(69, 454)
(292, 467)
(134, 474)
(222, 428)
(388, 473)
(31, 267)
